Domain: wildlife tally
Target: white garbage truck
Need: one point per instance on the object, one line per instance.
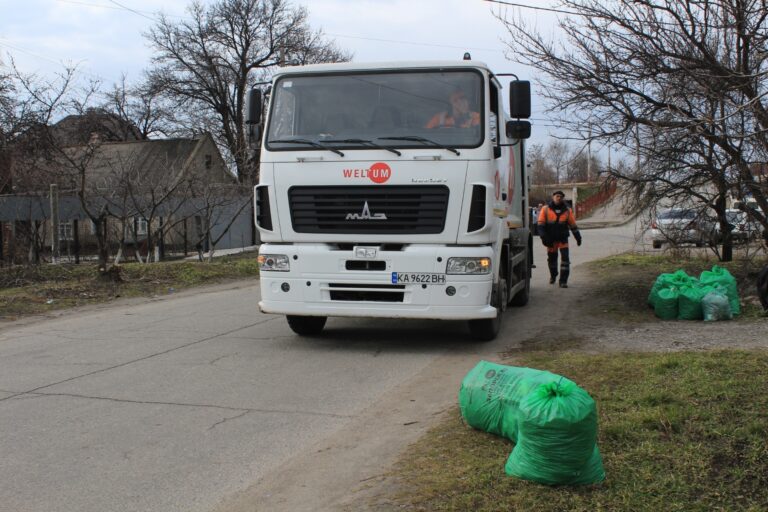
(392, 190)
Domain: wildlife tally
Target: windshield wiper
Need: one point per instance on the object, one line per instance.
(305, 141)
(416, 138)
(364, 141)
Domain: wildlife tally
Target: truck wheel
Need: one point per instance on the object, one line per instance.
(520, 299)
(486, 329)
(306, 325)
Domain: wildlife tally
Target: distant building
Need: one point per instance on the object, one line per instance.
(120, 172)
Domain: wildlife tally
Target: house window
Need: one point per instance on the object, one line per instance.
(65, 230)
(141, 226)
(208, 161)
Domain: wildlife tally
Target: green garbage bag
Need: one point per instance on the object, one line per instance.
(689, 302)
(667, 304)
(676, 279)
(490, 395)
(680, 278)
(716, 306)
(663, 281)
(557, 438)
(719, 276)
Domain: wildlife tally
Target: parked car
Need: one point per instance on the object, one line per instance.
(680, 225)
(743, 229)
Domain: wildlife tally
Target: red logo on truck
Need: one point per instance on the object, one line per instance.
(377, 173)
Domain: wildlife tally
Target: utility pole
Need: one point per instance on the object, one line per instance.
(589, 156)
(54, 223)
(637, 156)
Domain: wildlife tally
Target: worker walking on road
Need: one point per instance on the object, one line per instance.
(555, 220)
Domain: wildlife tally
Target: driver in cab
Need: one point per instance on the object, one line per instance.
(459, 117)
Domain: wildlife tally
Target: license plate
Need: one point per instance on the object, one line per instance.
(417, 278)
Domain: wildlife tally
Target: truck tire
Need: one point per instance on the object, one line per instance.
(521, 298)
(306, 325)
(486, 329)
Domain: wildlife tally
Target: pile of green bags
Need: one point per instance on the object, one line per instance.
(551, 420)
(713, 296)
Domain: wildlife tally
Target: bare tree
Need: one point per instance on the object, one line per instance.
(558, 154)
(37, 155)
(683, 83)
(154, 195)
(205, 65)
(218, 206)
(63, 153)
(541, 172)
(139, 107)
(579, 167)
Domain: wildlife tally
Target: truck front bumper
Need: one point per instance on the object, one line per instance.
(320, 283)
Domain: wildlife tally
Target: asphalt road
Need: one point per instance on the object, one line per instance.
(178, 404)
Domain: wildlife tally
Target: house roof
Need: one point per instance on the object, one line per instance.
(78, 129)
(142, 159)
(146, 162)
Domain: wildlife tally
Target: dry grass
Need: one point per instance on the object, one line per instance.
(621, 283)
(678, 432)
(40, 289)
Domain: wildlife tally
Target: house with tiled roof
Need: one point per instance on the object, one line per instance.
(121, 176)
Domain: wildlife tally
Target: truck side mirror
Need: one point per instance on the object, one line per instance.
(253, 107)
(518, 129)
(520, 99)
(253, 116)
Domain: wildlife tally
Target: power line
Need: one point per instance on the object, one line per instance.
(144, 14)
(132, 10)
(119, 7)
(22, 50)
(43, 57)
(532, 7)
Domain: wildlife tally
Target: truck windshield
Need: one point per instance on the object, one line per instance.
(393, 109)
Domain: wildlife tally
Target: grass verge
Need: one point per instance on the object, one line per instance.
(678, 432)
(620, 284)
(40, 289)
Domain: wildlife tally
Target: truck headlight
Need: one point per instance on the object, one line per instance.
(468, 266)
(276, 262)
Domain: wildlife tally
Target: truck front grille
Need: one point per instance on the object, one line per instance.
(367, 292)
(391, 210)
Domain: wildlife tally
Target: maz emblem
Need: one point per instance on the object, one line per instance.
(366, 215)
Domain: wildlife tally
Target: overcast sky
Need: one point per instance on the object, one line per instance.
(105, 39)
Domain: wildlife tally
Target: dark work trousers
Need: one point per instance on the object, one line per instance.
(565, 264)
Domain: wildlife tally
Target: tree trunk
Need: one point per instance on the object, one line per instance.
(101, 245)
(161, 240)
(34, 249)
(121, 246)
(76, 241)
(725, 228)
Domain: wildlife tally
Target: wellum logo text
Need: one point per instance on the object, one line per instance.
(377, 173)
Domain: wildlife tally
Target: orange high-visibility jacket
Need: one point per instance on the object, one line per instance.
(445, 119)
(555, 226)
